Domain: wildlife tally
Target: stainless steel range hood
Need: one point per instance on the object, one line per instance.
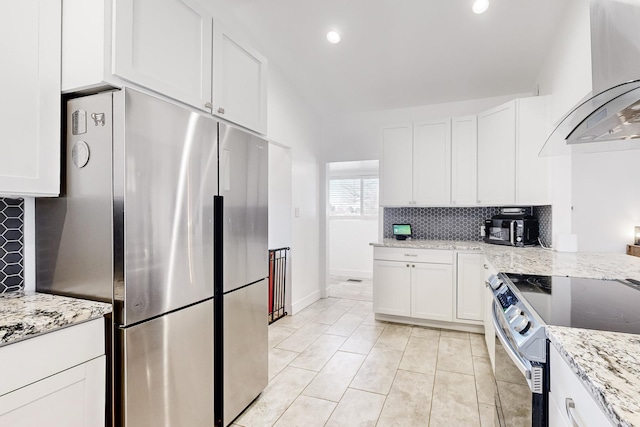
(610, 120)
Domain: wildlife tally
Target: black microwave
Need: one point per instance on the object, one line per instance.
(512, 231)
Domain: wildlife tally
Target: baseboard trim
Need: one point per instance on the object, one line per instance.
(303, 303)
(356, 274)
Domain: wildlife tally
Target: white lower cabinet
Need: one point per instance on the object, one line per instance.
(570, 404)
(432, 291)
(59, 379)
(392, 288)
(416, 283)
(470, 301)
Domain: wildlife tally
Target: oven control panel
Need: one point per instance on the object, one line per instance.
(506, 298)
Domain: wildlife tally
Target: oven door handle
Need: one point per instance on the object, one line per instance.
(513, 355)
(512, 232)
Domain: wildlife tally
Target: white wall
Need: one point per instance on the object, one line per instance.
(566, 75)
(601, 187)
(293, 123)
(349, 252)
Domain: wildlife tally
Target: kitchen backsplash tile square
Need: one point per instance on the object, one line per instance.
(454, 223)
(11, 245)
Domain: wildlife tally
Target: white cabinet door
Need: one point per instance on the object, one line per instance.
(392, 288)
(432, 291)
(497, 155)
(397, 175)
(240, 82)
(165, 46)
(432, 162)
(72, 398)
(30, 34)
(470, 289)
(464, 160)
(532, 172)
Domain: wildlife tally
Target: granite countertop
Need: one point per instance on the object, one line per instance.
(537, 260)
(605, 362)
(607, 365)
(27, 314)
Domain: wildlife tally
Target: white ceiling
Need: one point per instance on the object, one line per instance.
(401, 53)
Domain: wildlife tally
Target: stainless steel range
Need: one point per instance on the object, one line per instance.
(523, 305)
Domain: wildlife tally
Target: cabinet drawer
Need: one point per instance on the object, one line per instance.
(50, 353)
(565, 384)
(434, 256)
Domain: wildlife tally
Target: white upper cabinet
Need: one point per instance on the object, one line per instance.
(30, 33)
(397, 175)
(240, 81)
(464, 160)
(166, 46)
(497, 155)
(532, 171)
(432, 162)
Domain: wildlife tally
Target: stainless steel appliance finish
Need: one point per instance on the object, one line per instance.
(609, 118)
(245, 347)
(245, 265)
(243, 184)
(521, 360)
(168, 369)
(135, 226)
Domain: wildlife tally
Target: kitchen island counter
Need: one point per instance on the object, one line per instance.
(606, 364)
(28, 314)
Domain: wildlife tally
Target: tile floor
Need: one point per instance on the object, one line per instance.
(333, 364)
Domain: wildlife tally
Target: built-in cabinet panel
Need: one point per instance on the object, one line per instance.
(464, 161)
(496, 155)
(432, 162)
(397, 174)
(392, 288)
(432, 291)
(470, 300)
(532, 171)
(240, 82)
(489, 329)
(30, 34)
(166, 46)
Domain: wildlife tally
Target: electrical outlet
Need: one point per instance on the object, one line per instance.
(482, 231)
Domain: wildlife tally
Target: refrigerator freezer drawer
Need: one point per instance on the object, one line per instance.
(167, 369)
(246, 371)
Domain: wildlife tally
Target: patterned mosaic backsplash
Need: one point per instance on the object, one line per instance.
(11, 245)
(454, 223)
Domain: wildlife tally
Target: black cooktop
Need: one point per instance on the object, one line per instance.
(606, 305)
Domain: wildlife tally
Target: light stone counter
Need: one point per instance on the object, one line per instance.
(537, 260)
(605, 362)
(25, 315)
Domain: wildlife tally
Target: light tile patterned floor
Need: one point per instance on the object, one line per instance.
(333, 364)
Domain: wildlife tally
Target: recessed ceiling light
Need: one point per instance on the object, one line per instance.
(333, 37)
(480, 6)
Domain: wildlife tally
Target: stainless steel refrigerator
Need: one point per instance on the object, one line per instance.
(136, 225)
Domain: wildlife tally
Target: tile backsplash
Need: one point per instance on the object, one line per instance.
(11, 245)
(454, 223)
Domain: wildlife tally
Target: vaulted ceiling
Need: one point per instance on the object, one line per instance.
(401, 53)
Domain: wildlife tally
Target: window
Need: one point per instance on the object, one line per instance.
(353, 197)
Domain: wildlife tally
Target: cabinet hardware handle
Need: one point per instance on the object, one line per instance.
(486, 267)
(410, 255)
(570, 405)
(407, 265)
(221, 110)
(486, 283)
(208, 105)
(414, 266)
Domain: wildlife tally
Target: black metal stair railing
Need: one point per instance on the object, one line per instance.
(277, 283)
